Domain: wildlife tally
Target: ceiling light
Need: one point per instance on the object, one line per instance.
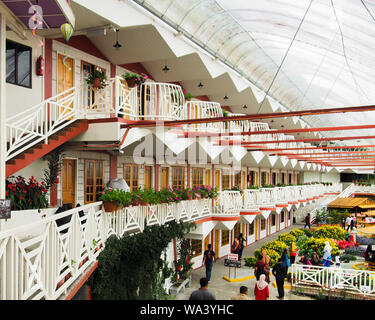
(225, 97)
(245, 106)
(200, 85)
(117, 45)
(165, 69)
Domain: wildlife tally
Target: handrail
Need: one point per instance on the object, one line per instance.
(38, 123)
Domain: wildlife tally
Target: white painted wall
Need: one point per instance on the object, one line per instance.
(333, 177)
(19, 98)
(34, 169)
(309, 176)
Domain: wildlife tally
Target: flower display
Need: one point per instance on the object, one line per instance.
(132, 76)
(26, 195)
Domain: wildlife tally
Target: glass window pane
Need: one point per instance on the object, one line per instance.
(23, 67)
(10, 63)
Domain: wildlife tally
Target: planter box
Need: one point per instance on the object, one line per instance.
(174, 289)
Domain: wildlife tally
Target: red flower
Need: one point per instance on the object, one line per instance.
(180, 268)
(21, 197)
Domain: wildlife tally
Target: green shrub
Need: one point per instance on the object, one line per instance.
(297, 232)
(251, 261)
(336, 216)
(287, 238)
(331, 232)
(301, 240)
(319, 243)
(275, 245)
(348, 257)
(308, 232)
(321, 216)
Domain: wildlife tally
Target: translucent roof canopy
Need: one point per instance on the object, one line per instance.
(306, 54)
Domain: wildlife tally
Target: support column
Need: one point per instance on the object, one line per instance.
(3, 138)
(188, 177)
(157, 166)
(112, 167)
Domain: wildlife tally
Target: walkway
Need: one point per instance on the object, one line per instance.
(224, 290)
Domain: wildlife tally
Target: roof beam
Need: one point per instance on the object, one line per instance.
(311, 112)
(265, 149)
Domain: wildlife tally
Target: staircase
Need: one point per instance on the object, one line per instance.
(302, 212)
(39, 150)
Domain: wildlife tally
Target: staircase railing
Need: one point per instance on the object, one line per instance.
(38, 123)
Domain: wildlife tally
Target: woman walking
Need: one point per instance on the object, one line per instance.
(241, 241)
(285, 260)
(293, 252)
(266, 260)
(261, 290)
(327, 255)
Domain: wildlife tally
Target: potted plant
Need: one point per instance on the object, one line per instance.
(188, 96)
(97, 79)
(134, 79)
(114, 199)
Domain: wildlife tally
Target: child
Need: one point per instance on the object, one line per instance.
(338, 261)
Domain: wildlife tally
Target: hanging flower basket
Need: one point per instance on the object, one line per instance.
(97, 83)
(131, 83)
(110, 206)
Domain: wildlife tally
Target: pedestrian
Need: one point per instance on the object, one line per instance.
(343, 222)
(261, 290)
(353, 223)
(293, 252)
(266, 260)
(259, 267)
(307, 221)
(315, 259)
(208, 261)
(279, 272)
(368, 253)
(202, 293)
(347, 235)
(241, 241)
(285, 260)
(243, 295)
(337, 261)
(348, 222)
(236, 246)
(327, 255)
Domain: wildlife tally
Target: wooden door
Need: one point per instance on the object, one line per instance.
(217, 238)
(243, 180)
(164, 177)
(208, 177)
(148, 177)
(64, 80)
(69, 181)
(206, 242)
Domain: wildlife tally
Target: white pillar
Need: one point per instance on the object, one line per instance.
(3, 139)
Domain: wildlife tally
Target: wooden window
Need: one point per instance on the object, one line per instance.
(237, 179)
(282, 217)
(225, 180)
(263, 178)
(251, 229)
(274, 178)
(283, 178)
(290, 179)
(224, 237)
(197, 176)
(178, 177)
(196, 247)
(94, 180)
(18, 64)
(273, 220)
(251, 179)
(262, 224)
(288, 215)
(237, 230)
(131, 176)
(148, 177)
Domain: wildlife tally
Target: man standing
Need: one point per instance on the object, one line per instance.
(307, 221)
(203, 293)
(279, 273)
(243, 295)
(349, 222)
(208, 260)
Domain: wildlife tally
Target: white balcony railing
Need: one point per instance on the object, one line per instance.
(358, 282)
(37, 124)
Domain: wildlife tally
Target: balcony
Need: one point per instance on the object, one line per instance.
(43, 258)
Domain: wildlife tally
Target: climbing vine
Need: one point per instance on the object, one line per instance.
(134, 267)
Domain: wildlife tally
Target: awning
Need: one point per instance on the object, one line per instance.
(54, 13)
(350, 203)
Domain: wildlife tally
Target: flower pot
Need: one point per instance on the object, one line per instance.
(131, 83)
(110, 206)
(96, 83)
